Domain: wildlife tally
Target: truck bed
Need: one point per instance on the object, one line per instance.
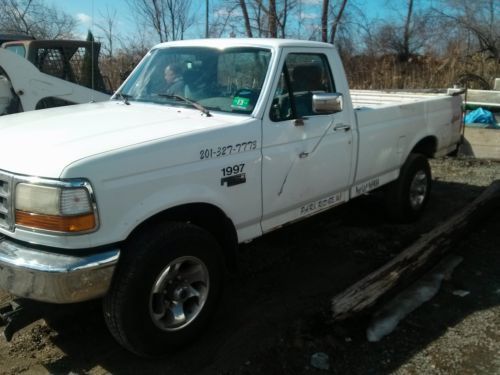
(364, 99)
(391, 123)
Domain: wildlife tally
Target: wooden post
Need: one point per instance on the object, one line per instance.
(402, 270)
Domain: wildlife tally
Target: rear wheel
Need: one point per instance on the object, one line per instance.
(164, 289)
(407, 197)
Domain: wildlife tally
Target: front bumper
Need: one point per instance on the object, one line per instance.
(51, 277)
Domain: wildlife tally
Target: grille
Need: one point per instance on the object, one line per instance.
(6, 217)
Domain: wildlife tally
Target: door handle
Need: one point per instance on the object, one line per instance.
(344, 127)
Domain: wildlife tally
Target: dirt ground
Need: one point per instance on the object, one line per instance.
(274, 314)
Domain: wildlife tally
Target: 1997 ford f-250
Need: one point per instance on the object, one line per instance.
(144, 199)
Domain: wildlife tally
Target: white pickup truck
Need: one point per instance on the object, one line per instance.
(144, 199)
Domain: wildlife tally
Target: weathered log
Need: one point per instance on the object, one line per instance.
(401, 270)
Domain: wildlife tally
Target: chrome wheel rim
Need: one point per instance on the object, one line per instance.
(179, 293)
(418, 190)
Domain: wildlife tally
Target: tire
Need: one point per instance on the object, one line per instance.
(406, 198)
(164, 289)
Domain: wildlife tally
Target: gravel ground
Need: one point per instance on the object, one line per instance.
(274, 315)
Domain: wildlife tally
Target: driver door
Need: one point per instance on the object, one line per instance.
(307, 156)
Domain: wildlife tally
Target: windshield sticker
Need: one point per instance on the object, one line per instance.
(240, 103)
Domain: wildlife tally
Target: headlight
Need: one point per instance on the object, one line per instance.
(63, 207)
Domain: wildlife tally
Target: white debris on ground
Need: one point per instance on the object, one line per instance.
(460, 293)
(387, 318)
(321, 361)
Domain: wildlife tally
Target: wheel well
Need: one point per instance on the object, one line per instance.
(426, 146)
(206, 216)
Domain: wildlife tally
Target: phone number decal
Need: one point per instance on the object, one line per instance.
(220, 151)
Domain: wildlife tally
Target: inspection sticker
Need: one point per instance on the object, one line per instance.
(240, 103)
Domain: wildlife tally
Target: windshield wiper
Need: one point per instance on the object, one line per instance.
(123, 97)
(198, 106)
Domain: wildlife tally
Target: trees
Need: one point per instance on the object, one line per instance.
(91, 75)
(336, 21)
(107, 26)
(244, 11)
(453, 37)
(35, 18)
(168, 18)
(266, 19)
(410, 36)
(475, 22)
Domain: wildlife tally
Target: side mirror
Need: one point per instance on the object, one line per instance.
(327, 102)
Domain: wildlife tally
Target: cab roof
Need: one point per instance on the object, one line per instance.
(222, 43)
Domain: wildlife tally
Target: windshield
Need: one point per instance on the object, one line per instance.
(228, 80)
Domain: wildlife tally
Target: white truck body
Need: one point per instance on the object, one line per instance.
(144, 159)
(31, 86)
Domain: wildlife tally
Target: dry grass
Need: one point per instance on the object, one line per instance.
(369, 72)
(386, 72)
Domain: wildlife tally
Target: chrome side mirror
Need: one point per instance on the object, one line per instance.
(324, 103)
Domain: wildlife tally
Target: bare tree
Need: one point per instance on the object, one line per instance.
(224, 17)
(277, 14)
(107, 25)
(336, 13)
(152, 14)
(415, 34)
(207, 27)
(273, 19)
(405, 47)
(34, 18)
(180, 18)
(168, 18)
(477, 20)
(244, 11)
(324, 21)
(336, 22)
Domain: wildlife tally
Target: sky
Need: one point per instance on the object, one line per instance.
(88, 12)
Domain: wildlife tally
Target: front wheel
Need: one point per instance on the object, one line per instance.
(407, 197)
(165, 288)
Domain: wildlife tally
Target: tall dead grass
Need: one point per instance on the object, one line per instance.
(387, 72)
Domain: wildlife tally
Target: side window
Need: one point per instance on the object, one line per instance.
(303, 75)
(17, 49)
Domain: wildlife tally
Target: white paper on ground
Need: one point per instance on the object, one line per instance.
(387, 318)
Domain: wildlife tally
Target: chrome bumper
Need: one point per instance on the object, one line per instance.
(51, 277)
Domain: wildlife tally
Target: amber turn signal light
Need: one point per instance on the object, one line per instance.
(70, 224)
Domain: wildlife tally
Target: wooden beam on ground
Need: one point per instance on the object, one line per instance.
(401, 270)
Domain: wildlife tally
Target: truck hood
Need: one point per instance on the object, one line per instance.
(42, 143)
